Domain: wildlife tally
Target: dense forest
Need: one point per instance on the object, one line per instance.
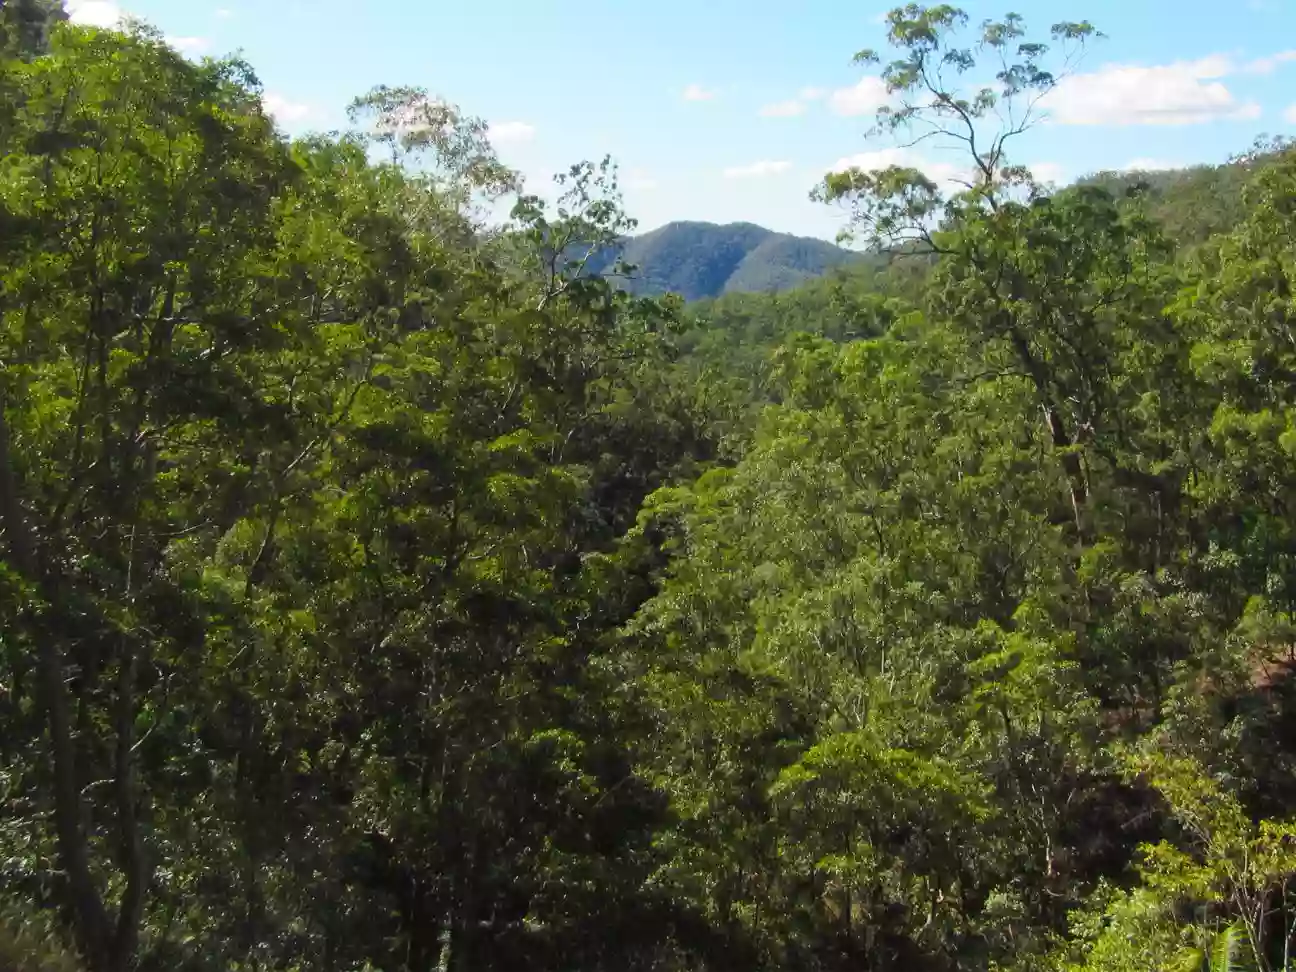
(382, 589)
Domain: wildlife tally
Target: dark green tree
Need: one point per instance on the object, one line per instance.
(25, 26)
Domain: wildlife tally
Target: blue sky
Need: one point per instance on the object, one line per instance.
(731, 110)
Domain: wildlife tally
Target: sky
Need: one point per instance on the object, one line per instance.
(732, 110)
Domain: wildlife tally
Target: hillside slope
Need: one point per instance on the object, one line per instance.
(1194, 203)
(698, 260)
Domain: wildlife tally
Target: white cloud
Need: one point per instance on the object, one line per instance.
(757, 170)
(1048, 172)
(286, 112)
(94, 13)
(949, 176)
(1146, 164)
(1267, 65)
(510, 133)
(223, 13)
(1290, 114)
(189, 45)
(940, 172)
(1182, 93)
(783, 109)
(695, 92)
(793, 107)
(861, 99)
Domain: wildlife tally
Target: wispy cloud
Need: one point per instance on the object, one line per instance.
(189, 45)
(1146, 164)
(285, 111)
(1048, 172)
(940, 172)
(783, 109)
(1267, 65)
(757, 170)
(223, 13)
(695, 92)
(792, 107)
(1182, 93)
(510, 132)
(1290, 114)
(863, 98)
(94, 13)
(949, 176)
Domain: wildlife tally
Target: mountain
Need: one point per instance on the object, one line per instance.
(698, 260)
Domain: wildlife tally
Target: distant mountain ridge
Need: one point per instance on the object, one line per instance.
(698, 260)
(701, 260)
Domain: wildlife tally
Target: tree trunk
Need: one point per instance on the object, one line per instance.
(1062, 439)
(1071, 465)
(131, 846)
(92, 925)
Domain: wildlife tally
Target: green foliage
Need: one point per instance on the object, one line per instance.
(384, 589)
(1195, 203)
(1234, 881)
(30, 944)
(306, 487)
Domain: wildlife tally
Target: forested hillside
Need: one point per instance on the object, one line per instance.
(736, 334)
(701, 260)
(386, 590)
(1191, 205)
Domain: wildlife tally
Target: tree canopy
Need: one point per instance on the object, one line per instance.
(387, 589)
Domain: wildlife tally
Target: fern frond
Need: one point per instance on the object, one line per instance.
(1232, 951)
